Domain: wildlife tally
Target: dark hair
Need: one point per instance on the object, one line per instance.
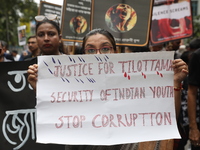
(32, 36)
(99, 31)
(77, 50)
(194, 44)
(15, 51)
(135, 49)
(4, 44)
(55, 24)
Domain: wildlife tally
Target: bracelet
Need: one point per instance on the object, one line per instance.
(178, 88)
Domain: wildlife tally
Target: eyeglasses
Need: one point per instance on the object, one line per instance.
(103, 50)
(50, 17)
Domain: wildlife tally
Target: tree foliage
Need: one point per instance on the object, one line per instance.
(196, 26)
(11, 13)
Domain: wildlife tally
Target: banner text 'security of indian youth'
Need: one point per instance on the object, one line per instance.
(129, 21)
(171, 21)
(49, 8)
(75, 19)
(17, 109)
(105, 99)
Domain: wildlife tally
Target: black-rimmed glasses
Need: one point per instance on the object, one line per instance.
(103, 50)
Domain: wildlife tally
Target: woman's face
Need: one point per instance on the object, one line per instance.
(124, 11)
(48, 39)
(97, 42)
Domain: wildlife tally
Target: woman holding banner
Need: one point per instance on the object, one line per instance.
(48, 37)
(100, 41)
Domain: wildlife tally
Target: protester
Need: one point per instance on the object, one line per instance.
(48, 36)
(134, 49)
(15, 55)
(183, 121)
(193, 87)
(175, 46)
(32, 48)
(77, 50)
(7, 55)
(157, 47)
(99, 41)
(180, 51)
(168, 46)
(34, 51)
(2, 54)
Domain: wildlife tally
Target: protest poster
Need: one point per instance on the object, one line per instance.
(75, 19)
(105, 99)
(171, 20)
(128, 21)
(21, 30)
(50, 8)
(17, 109)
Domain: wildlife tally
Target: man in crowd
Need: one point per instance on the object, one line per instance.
(2, 54)
(33, 49)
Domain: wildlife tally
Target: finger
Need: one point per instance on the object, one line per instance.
(35, 65)
(33, 69)
(32, 77)
(181, 66)
(180, 63)
(185, 71)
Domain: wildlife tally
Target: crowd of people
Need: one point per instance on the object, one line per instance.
(48, 41)
(32, 51)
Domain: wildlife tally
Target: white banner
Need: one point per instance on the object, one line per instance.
(105, 99)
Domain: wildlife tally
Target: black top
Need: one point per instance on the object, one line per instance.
(194, 69)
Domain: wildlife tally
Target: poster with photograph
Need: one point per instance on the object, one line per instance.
(128, 21)
(21, 35)
(75, 19)
(171, 20)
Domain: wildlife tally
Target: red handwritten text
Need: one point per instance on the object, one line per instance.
(162, 91)
(128, 120)
(73, 70)
(123, 93)
(106, 68)
(132, 66)
(71, 121)
(72, 96)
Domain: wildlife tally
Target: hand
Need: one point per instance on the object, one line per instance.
(180, 70)
(194, 137)
(25, 53)
(32, 75)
